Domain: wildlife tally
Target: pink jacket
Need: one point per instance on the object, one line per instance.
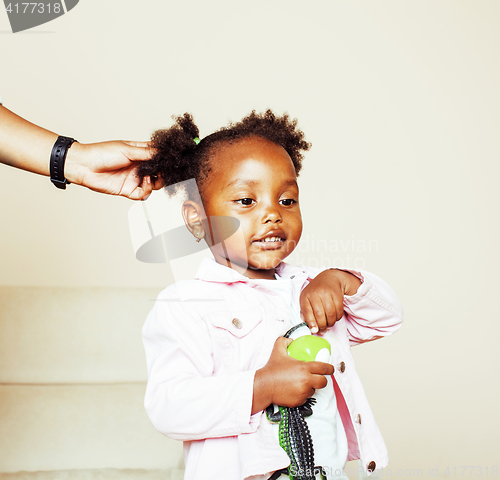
(204, 340)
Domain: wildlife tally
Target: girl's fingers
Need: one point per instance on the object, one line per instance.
(321, 371)
(308, 315)
(322, 311)
(281, 344)
(330, 309)
(318, 303)
(319, 313)
(339, 306)
(320, 368)
(319, 381)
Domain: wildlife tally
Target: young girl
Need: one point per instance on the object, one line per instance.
(214, 345)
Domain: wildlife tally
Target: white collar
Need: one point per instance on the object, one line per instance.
(211, 271)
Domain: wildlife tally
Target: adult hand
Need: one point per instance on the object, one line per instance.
(107, 167)
(110, 167)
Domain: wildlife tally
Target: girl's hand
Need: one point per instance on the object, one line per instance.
(322, 301)
(110, 167)
(286, 381)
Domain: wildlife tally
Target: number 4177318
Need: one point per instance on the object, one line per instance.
(471, 471)
(34, 8)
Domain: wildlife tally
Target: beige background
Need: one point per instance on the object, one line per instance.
(401, 101)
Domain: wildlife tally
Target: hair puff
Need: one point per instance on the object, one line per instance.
(178, 158)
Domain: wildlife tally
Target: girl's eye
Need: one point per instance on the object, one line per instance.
(245, 201)
(288, 201)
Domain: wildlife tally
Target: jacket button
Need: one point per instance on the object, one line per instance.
(342, 367)
(359, 418)
(371, 466)
(237, 323)
(292, 277)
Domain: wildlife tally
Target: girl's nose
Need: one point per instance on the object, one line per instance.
(271, 214)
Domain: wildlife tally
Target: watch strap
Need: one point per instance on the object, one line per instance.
(57, 159)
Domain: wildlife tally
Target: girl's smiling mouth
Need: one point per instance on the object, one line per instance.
(272, 240)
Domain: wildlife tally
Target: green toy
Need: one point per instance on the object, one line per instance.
(294, 435)
(309, 348)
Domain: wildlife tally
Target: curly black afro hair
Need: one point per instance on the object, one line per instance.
(180, 158)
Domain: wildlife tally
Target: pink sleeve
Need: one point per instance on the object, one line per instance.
(373, 312)
(184, 399)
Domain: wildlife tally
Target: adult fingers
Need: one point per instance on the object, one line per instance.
(137, 144)
(141, 192)
(157, 183)
(139, 151)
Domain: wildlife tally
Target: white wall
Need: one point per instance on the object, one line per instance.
(72, 381)
(401, 101)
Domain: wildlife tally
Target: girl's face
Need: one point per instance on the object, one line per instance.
(254, 181)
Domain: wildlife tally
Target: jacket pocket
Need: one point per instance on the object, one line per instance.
(238, 322)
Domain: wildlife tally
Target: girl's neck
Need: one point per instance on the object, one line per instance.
(248, 272)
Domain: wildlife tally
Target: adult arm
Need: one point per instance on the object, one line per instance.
(106, 167)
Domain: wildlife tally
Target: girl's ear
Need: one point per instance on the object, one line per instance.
(192, 215)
